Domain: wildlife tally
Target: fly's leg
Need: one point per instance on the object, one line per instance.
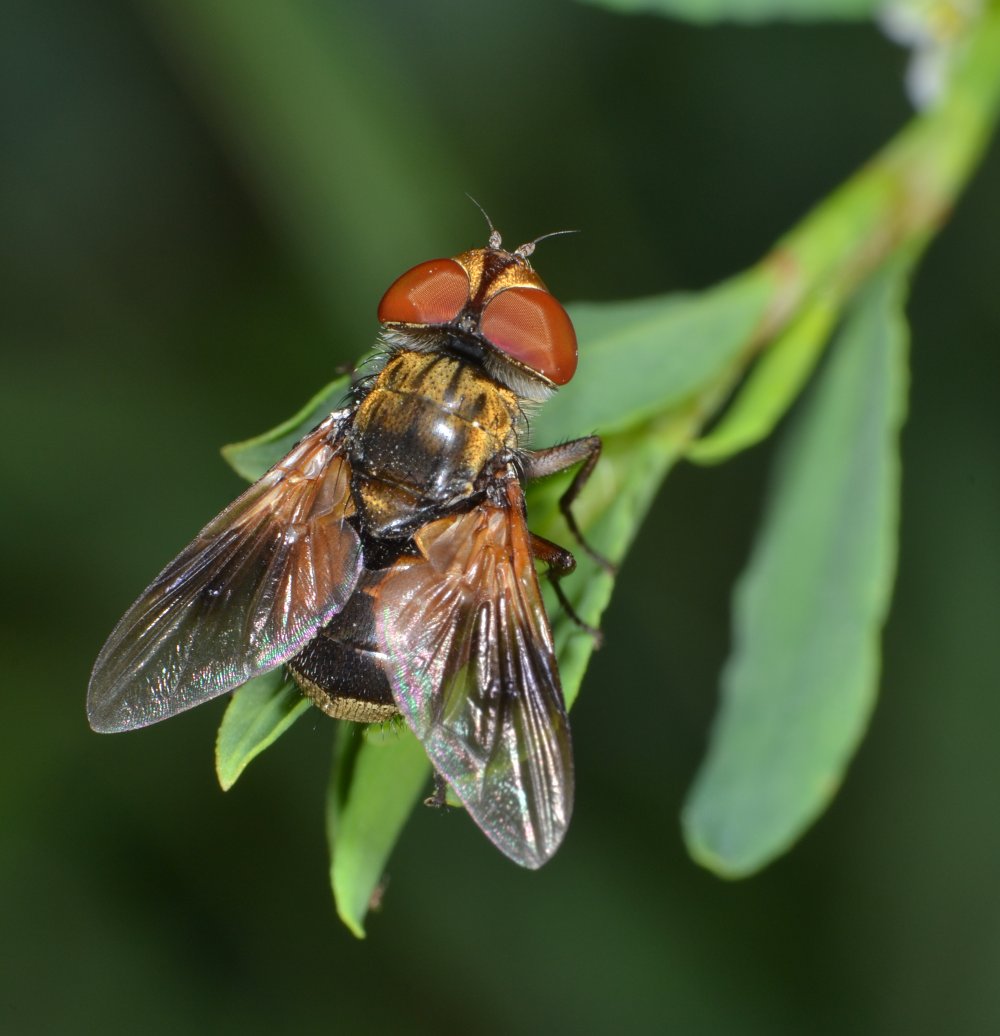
(539, 463)
(439, 798)
(559, 562)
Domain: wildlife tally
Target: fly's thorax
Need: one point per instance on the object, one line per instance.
(424, 436)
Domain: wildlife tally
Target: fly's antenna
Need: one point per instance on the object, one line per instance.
(495, 240)
(526, 249)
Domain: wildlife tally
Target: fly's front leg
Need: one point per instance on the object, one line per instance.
(559, 563)
(539, 463)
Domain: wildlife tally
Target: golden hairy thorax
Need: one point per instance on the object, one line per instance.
(431, 426)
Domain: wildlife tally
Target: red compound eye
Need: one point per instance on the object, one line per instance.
(532, 327)
(432, 293)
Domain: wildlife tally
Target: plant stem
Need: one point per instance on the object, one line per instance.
(900, 198)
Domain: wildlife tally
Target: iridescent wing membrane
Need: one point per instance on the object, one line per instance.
(473, 671)
(245, 596)
(460, 631)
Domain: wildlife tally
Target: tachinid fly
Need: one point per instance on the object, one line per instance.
(387, 562)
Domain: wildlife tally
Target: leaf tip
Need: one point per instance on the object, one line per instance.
(232, 454)
(717, 850)
(715, 861)
(352, 924)
(708, 451)
(225, 774)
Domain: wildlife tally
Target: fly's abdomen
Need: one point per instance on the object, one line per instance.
(423, 437)
(342, 668)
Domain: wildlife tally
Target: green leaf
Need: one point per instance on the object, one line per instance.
(800, 685)
(259, 713)
(252, 457)
(376, 788)
(609, 511)
(643, 362)
(707, 11)
(771, 387)
(641, 358)
(377, 778)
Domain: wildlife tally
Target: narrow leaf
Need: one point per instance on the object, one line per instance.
(258, 714)
(641, 358)
(610, 511)
(377, 779)
(800, 685)
(252, 457)
(707, 11)
(375, 788)
(771, 387)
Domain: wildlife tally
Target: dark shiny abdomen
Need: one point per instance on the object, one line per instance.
(342, 669)
(423, 436)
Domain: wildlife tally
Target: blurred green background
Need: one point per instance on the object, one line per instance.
(201, 205)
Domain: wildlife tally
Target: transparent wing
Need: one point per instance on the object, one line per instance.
(472, 669)
(247, 594)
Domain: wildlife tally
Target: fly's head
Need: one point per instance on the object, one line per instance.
(487, 304)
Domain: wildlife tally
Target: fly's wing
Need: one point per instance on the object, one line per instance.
(247, 594)
(472, 669)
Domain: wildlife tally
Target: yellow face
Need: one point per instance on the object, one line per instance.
(488, 277)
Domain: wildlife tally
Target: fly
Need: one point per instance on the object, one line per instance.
(387, 561)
